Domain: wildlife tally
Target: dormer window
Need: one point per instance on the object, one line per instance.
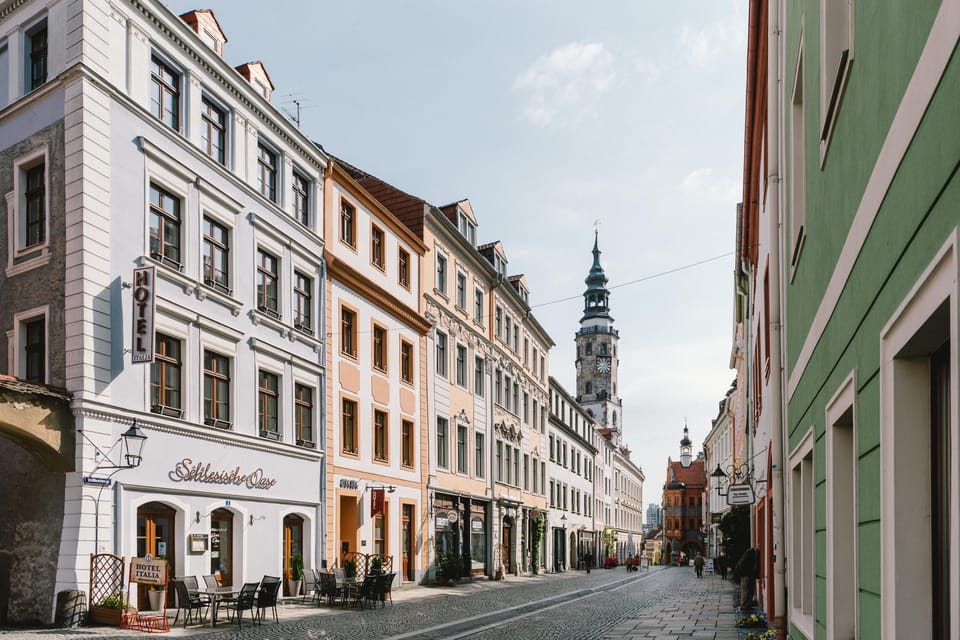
(500, 265)
(468, 229)
(205, 25)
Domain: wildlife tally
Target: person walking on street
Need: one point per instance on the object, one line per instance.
(722, 565)
(588, 559)
(748, 568)
(698, 564)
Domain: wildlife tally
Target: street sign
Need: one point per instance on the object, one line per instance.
(740, 494)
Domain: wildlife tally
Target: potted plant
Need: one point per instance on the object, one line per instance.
(350, 568)
(109, 610)
(376, 566)
(295, 581)
(156, 596)
(441, 569)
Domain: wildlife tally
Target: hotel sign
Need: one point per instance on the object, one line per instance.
(740, 494)
(148, 570)
(188, 471)
(144, 305)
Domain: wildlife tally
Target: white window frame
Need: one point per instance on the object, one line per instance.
(800, 534)
(904, 396)
(17, 210)
(16, 349)
(842, 511)
(836, 57)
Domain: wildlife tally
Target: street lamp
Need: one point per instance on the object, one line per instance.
(563, 521)
(133, 440)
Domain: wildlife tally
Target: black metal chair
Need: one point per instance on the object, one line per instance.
(189, 602)
(245, 601)
(315, 587)
(267, 597)
(193, 586)
(328, 587)
(365, 591)
(388, 588)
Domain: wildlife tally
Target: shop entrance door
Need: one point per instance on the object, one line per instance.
(407, 542)
(155, 536)
(507, 545)
(221, 546)
(292, 542)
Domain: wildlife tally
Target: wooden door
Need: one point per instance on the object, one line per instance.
(506, 542)
(155, 523)
(292, 541)
(407, 542)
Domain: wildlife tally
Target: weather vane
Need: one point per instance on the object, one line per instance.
(596, 226)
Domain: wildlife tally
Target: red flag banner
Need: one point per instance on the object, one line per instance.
(376, 502)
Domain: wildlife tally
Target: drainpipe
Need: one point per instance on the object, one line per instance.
(775, 115)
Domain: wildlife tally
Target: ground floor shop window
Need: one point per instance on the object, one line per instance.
(221, 546)
(155, 527)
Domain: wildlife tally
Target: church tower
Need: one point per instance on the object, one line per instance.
(597, 361)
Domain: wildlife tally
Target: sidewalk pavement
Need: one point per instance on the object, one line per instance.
(700, 608)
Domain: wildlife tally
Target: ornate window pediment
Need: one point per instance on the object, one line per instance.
(509, 432)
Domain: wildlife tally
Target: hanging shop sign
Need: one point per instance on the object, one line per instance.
(740, 494)
(143, 314)
(376, 502)
(188, 471)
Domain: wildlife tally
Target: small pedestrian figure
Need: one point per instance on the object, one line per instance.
(698, 564)
(722, 565)
(629, 562)
(748, 568)
(589, 560)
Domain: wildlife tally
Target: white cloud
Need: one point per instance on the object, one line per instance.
(566, 85)
(648, 69)
(704, 45)
(705, 183)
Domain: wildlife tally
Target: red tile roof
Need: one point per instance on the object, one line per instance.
(693, 476)
(409, 209)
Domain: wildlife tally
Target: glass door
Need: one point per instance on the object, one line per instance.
(407, 542)
(221, 546)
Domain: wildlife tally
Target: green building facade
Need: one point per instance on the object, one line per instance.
(870, 119)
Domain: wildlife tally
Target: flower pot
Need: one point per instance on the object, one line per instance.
(105, 615)
(156, 599)
(293, 587)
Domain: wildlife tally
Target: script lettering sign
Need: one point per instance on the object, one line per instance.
(188, 471)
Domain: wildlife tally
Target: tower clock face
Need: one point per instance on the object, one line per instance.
(603, 365)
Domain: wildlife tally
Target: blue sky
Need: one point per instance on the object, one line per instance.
(548, 116)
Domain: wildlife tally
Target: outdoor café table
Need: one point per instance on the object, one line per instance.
(217, 595)
(345, 588)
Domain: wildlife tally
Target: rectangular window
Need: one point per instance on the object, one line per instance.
(216, 390)
(509, 330)
(213, 131)
(301, 198)
(403, 268)
(506, 394)
(406, 443)
(379, 348)
(516, 338)
(516, 397)
(462, 451)
(461, 365)
(303, 414)
(478, 377)
(478, 455)
(526, 472)
(498, 387)
(406, 361)
(165, 227)
(499, 461)
(267, 283)
(348, 222)
(380, 452)
(798, 179)
(348, 423)
(441, 354)
(165, 377)
(36, 48)
(443, 447)
(836, 53)
(461, 290)
(377, 247)
(35, 350)
(803, 530)
(441, 274)
(268, 404)
(526, 352)
(165, 93)
(526, 408)
(478, 306)
(216, 256)
(35, 206)
(536, 410)
(498, 321)
(348, 332)
(302, 302)
(508, 468)
(267, 173)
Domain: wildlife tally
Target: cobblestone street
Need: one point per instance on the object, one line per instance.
(662, 603)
